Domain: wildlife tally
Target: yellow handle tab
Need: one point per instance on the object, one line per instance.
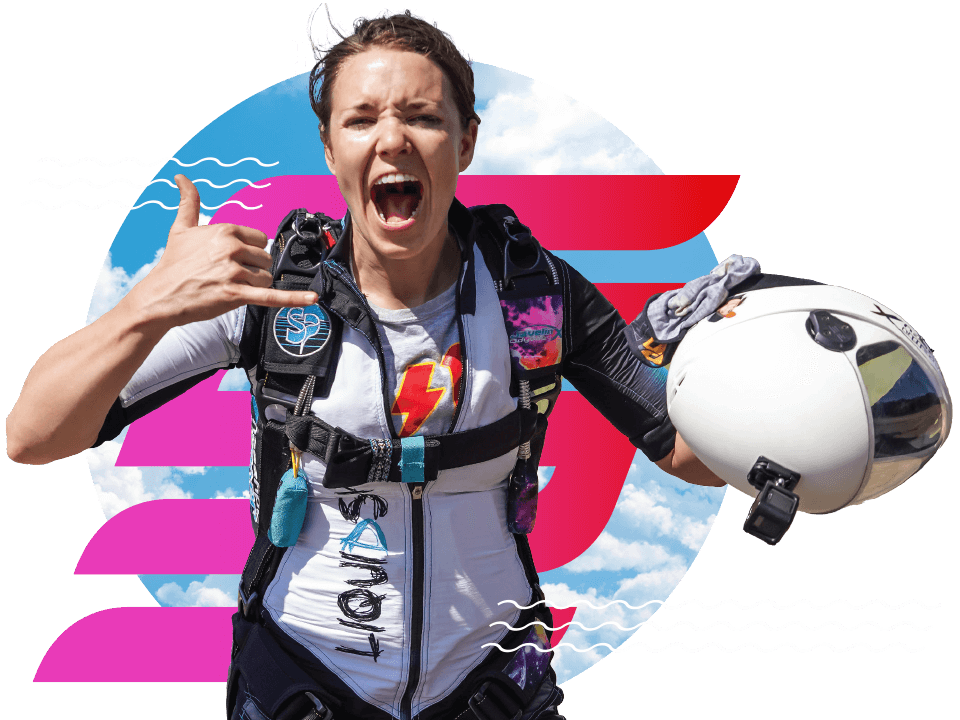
(295, 460)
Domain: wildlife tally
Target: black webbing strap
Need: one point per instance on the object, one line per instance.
(508, 687)
(279, 685)
(352, 461)
(494, 701)
(259, 562)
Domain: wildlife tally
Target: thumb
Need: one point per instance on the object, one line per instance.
(188, 213)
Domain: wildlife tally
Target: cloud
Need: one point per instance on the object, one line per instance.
(214, 591)
(591, 613)
(656, 584)
(646, 507)
(121, 487)
(295, 87)
(544, 473)
(611, 553)
(230, 494)
(235, 379)
(543, 132)
(115, 282)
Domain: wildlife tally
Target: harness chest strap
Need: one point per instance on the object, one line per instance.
(353, 461)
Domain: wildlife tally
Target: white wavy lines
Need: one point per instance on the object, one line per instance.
(711, 645)
(135, 207)
(158, 162)
(141, 187)
(723, 623)
(737, 604)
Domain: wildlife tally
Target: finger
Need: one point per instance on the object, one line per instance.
(253, 257)
(255, 277)
(188, 213)
(268, 297)
(251, 236)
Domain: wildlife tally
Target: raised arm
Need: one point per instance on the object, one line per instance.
(205, 271)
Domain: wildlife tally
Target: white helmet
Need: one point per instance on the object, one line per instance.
(819, 380)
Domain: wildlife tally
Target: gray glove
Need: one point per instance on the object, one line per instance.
(675, 311)
(654, 335)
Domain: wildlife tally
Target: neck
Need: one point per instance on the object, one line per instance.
(392, 283)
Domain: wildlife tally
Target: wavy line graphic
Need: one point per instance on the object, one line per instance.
(732, 602)
(135, 207)
(158, 162)
(709, 645)
(141, 187)
(724, 623)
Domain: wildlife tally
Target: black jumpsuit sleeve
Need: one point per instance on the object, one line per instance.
(598, 362)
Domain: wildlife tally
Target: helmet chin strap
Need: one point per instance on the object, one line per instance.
(775, 507)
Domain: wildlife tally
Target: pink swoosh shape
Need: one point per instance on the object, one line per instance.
(137, 644)
(172, 537)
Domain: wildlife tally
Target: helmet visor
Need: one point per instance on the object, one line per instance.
(907, 412)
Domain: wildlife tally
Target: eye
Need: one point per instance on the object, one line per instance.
(358, 122)
(426, 119)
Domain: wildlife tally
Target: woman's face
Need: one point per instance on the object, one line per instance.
(396, 146)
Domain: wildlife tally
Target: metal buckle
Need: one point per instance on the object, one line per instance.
(264, 399)
(320, 711)
(245, 602)
(528, 264)
(495, 705)
(308, 230)
(301, 221)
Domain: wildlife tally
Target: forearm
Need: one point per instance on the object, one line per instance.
(67, 394)
(682, 463)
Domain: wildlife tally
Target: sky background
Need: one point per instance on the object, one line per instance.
(527, 128)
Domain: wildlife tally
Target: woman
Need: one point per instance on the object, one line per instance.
(389, 599)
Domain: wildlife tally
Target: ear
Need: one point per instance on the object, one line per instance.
(468, 143)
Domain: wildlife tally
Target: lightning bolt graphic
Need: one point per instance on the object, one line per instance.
(416, 400)
(453, 363)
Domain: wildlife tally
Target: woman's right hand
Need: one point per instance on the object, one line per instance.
(207, 270)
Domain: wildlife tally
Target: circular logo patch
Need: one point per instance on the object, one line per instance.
(301, 331)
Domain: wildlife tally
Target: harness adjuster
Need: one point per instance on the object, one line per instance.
(265, 398)
(246, 602)
(333, 444)
(493, 702)
(319, 711)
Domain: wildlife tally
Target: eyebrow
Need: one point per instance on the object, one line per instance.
(413, 105)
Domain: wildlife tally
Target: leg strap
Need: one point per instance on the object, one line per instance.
(508, 689)
(281, 688)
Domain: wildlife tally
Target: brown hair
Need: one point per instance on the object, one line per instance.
(406, 32)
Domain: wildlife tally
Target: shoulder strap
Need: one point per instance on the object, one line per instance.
(511, 252)
(531, 293)
(299, 342)
(531, 297)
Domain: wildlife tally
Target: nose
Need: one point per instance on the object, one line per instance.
(392, 139)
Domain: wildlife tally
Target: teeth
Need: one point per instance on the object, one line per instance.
(384, 217)
(395, 178)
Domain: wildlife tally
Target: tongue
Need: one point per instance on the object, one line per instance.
(398, 207)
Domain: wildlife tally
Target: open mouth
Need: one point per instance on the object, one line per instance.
(397, 197)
